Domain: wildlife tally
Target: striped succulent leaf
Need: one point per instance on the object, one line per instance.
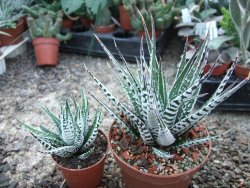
(163, 154)
(161, 115)
(73, 135)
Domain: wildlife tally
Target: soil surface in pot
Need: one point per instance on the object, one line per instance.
(140, 156)
(74, 163)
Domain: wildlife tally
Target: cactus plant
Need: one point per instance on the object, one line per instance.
(73, 136)
(47, 26)
(156, 114)
(162, 13)
(240, 13)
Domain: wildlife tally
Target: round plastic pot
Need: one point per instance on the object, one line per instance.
(135, 178)
(46, 51)
(217, 71)
(89, 177)
(104, 29)
(15, 34)
(124, 19)
(242, 71)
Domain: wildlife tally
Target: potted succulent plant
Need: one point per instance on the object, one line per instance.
(78, 148)
(158, 141)
(124, 17)
(96, 11)
(162, 13)
(193, 27)
(11, 23)
(240, 13)
(45, 33)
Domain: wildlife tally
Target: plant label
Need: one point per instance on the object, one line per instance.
(212, 28)
(186, 18)
(202, 29)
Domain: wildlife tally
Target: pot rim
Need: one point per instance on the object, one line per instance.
(89, 167)
(110, 26)
(19, 23)
(159, 176)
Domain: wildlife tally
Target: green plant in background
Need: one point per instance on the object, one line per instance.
(240, 13)
(95, 10)
(73, 134)
(228, 25)
(157, 114)
(103, 17)
(8, 15)
(162, 13)
(45, 25)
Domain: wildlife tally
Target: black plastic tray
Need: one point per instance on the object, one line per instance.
(239, 101)
(128, 44)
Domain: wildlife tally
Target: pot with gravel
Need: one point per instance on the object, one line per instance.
(78, 148)
(158, 140)
(45, 33)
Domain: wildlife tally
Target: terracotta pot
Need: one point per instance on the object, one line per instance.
(143, 34)
(242, 71)
(105, 29)
(67, 23)
(25, 25)
(16, 35)
(135, 178)
(46, 51)
(89, 177)
(124, 19)
(86, 22)
(218, 70)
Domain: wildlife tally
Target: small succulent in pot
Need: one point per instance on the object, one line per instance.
(73, 135)
(162, 12)
(240, 13)
(156, 114)
(46, 25)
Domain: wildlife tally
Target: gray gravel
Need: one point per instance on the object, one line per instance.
(24, 87)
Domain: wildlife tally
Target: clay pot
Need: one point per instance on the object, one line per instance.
(136, 178)
(25, 25)
(89, 177)
(242, 71)
(86, 22)
(46, 51)
(124, 19)
(16, 35)
(218, 70)
(223, 62)
(143, 34)
(67, 23)
(104, 29)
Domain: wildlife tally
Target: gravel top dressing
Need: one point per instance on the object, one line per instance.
(24, 87)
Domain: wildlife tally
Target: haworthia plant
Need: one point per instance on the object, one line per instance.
(157, 114)
(240, 13)
(74, 136)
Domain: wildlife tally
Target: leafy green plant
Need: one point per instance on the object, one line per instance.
(73, 136)
(47, 26)
(240, 13)
(157, 114)
(8, 15)
(228, 25)
(101, 20)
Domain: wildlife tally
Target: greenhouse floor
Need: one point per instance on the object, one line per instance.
(24, 87)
